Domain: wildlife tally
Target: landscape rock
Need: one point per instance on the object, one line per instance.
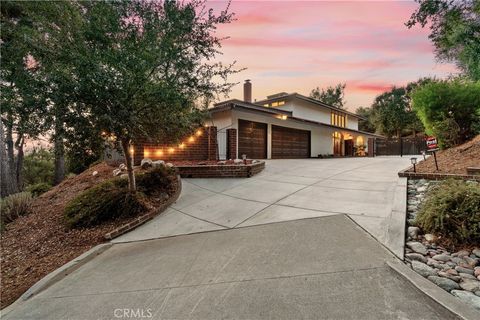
(122, 167)
(416, 257)
(170, 165)
(467, 297)
(467, 276)
(116, 172)
(461, 253)
(146, 163)
(449, 276)
(417, 247)
(423, 269)
(476, 252)
(94, 173)
(238, 161)
(476, 271)
(221, 163)
(470, 261)
(464, 270)
(441, 257)
(470, 285)
(430, 237)
(444, 283)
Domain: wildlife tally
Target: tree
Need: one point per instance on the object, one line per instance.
(143, 68)
(449, 110)
(333, 96)
(390, 112)
(454, 29)
(366, 124)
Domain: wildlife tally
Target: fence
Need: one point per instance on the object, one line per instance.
(399, 147)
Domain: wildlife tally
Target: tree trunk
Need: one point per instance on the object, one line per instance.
(129, 163)
(11, 159)
(59, 149)
(19, 165)
(6, 183)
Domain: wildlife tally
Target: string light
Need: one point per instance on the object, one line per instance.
(159, 152)
(171, 150)
(132, 151)
(191, 139)
(181, 145)
(199, 133)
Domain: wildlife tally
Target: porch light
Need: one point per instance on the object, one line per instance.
(414, 162)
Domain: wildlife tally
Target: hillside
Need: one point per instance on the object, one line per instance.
(454, 160)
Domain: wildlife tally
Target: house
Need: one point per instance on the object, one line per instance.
(286, 126)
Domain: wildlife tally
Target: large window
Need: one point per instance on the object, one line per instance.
(275, 104)
(338, 119)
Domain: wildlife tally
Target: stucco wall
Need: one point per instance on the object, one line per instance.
(352, 122)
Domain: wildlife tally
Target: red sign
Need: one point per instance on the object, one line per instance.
(432, 144)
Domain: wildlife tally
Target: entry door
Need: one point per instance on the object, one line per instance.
(252, 139)
(349, 148)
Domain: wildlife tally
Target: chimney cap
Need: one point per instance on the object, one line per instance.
(247, 80)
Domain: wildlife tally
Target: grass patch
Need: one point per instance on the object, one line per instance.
(452, 210)
(14, 206)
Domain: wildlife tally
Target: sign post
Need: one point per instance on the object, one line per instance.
(432, 146)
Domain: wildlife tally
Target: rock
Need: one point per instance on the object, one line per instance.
(452, 272)
(470, 285)
(237, 161)
(94, 173)
(116, 172)
(256, 161)
(476, 271)
(449, 276)
(451, 264)
(122, 167)
(444, 283)
(169, 165)
(158, 163)
(430, 237)
(476, 252)
(146, 163)
(221, 163)
(423, 269)
(467, 297)
(461, 253)
(422, 189)
(477, 293)
(416, 257)
(467, 276)
(441, 257)
(456, 260)
(464, 270)
(417, 247)
(470, 261)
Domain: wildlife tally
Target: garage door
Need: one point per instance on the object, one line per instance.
(252, 139)
(290, 143)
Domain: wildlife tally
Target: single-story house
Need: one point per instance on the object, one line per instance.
(286, 126)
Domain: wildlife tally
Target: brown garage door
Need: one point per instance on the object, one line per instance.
(290, 143)
(252, 139)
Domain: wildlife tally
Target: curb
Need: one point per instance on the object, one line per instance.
(58, 274)
(146, 217)
(437, 294)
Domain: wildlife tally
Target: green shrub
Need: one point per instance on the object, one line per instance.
(159, 178)
(38, 188)
(14, 206)
(452, 210)
(38, 167)
(107, 201)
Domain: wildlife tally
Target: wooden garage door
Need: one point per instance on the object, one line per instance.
(290, 143)
(252, 139)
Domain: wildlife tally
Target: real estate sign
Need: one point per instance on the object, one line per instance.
(432, 144)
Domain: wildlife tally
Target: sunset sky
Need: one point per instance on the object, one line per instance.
(294, 46)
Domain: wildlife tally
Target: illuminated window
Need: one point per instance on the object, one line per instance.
(338, 119)
(281, 103)
(266, 105)
(275, 104)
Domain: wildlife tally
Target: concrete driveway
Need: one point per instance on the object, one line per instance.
(319, 268)
(367, 189)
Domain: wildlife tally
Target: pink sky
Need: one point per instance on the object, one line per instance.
(294, 46)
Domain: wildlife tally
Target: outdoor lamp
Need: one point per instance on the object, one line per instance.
(414, 162)
(423, 154)
(244, 157)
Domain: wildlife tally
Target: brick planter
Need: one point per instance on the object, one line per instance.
(436, 176)
(220, 171)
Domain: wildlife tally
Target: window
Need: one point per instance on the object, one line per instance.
(338, 119)
(266, 105)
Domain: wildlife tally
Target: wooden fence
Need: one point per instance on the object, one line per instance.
(399, 147)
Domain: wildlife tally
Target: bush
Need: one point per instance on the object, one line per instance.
(159, 178)
(107, 201)
(14, 206)
(38, 188)
(452, 210)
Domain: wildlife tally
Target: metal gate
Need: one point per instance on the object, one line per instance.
(399, 147)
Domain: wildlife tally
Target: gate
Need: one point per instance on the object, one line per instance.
(399, 147)
(222, 144)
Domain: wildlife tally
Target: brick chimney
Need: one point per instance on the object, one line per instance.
(247, 91)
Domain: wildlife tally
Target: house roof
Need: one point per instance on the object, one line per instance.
(295, 95)
(242, 105)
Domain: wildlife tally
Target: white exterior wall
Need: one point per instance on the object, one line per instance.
(352, 122)
(221, 120)
(305, 110)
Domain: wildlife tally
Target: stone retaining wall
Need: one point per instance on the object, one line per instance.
(221, 171)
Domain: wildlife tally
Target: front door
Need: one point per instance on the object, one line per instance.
(349, 148)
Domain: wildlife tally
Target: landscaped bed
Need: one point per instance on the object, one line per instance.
(443, 238)
(38, 243)
(219, 169)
